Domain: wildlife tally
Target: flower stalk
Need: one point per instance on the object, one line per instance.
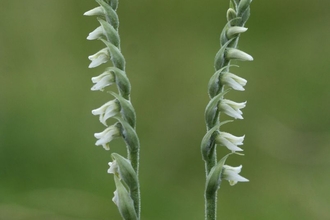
(125, 170)
(221, 83)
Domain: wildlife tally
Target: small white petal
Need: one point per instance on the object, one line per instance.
(113, 167)
(115, 197)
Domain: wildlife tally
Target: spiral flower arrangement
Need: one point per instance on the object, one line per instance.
(221, 83)
(125, 170)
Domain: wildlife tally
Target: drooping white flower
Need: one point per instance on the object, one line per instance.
(236, 54)
(233, 81)
(106, 136)
(107, 78)
(231, 108)
(98, 58)
(230, 141)
(113, 167)
(232, 174)
(107, 110)
(96, 34)
(95, 11)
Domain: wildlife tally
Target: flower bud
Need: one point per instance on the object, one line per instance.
(98, 11)
(232, 31)
(235, 54)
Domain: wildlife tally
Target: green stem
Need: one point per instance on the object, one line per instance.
(135, 193)
(210, 200)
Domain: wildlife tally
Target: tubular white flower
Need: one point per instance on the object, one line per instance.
(233, 53)
(97, 33)
(231, 108)
(233, 81)
(232, 174)
(98, 58)
(95, 11)
(107, 78)
(107, 110)
(106, 136)
(113, 167)
(230, 141)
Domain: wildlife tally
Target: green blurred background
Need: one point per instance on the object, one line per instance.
(50, 167)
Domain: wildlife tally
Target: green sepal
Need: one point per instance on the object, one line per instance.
(219, 60)
(213, 180)
(236, 2)
(242, 7)
(208, 142)
(245, 16)
(113, 4)
(232, 5)
(214, 86)
(117, 57)
(122, 81)
(111, 33)
(130, 137)
(126, 171)
(124, 201)
(211, 111)
(127, 111)
(110, 14)
(231, 14)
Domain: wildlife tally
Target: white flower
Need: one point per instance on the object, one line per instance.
(233, 81)
(107, 110)
(230, 141)
(95, 11)
(113, 167)
(106, 136)
(98, 58)
(232, 174)
(105, 79)
(232, 108)
(97, 33)
(236, 54)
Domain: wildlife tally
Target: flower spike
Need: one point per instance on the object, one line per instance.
(221, 82)
(125, 170)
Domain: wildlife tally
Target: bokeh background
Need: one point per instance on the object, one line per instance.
(50, 167)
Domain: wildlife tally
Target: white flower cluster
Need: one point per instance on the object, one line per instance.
(107, 78)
